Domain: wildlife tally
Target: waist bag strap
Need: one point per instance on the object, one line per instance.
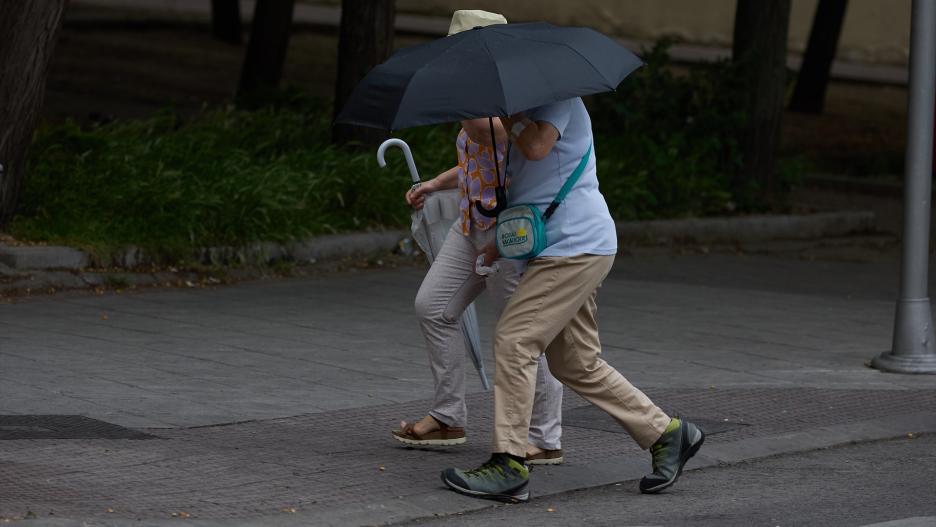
(567, 187)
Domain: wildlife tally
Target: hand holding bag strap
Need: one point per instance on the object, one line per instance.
(567, 187)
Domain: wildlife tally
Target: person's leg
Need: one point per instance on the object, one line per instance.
(574, 359)
(546, 419)
(548, 296)
(553, 310)
(448, 288)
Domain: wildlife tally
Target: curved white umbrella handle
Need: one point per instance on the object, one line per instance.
(406, 153)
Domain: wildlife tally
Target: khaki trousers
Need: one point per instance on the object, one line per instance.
(552, 311)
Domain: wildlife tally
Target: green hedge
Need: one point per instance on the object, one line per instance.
(667, 141)
(225, 177)
(665, 144)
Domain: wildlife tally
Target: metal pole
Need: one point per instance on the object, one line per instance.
(914, 349)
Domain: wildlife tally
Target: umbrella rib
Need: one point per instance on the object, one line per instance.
(577, 52)
(445, 52)
(497, 66)
(396, 113)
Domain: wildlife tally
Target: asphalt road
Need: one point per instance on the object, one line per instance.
(851, 485)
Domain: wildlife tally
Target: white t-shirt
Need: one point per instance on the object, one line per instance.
(582, 223)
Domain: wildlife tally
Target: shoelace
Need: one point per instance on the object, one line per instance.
(485, 470)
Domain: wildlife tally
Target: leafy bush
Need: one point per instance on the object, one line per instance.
(667, 142)
(225, 178)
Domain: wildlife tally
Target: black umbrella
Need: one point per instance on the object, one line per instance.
(500, 69)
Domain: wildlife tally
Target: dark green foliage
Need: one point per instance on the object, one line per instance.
(666, 147)
(667, 143)
(224, 178)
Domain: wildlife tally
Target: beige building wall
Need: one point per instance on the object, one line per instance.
(876, 31)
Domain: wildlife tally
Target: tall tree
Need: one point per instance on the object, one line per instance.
(365, 40)
(28, 31)
(266, 48)
(813, 78)
(759, 53)
(226, 20)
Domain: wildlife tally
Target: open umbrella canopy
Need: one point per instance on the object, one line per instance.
(494, 70)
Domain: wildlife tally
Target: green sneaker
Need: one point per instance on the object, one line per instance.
(679, 442)
(500, 478)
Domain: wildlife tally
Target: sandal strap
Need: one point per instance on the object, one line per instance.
(444, 432)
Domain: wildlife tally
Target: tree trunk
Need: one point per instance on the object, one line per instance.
(813, 78)
(226, 21)
(29, 29)
(365, 40)
(266, 49)
(759, 52)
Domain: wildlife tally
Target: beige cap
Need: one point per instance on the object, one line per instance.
(471, 18)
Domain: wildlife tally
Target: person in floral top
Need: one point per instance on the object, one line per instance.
(453, 283)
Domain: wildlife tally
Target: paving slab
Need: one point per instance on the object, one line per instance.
(255, 471)
(278, 395)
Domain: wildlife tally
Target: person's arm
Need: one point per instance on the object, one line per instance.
(534, 139)
(479, 131)
(416, 197)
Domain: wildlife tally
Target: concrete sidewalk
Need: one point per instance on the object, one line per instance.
(270, 403)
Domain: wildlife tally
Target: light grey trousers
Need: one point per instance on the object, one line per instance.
(449, 287)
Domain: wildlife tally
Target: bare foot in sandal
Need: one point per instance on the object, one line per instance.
(422, 427)
(429, 432)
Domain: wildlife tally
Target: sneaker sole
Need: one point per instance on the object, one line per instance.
(431, 442)
(682, 462)
(553, 461)
(507, 498)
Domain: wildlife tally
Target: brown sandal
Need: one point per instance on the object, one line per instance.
(545, 457)
(444, 436)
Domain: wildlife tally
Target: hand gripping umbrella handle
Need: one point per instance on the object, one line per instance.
(406, 153)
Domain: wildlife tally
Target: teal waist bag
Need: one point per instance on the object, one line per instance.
(521, 230)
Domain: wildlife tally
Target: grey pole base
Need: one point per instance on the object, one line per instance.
(889, 362)
(914, 347)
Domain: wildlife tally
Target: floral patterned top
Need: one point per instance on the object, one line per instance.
(477, 180)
